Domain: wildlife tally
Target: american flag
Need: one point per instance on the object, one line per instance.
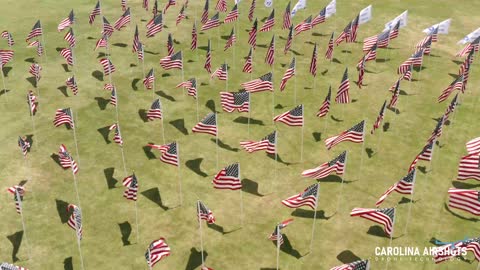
(252, 10)
(24, 145)
(464, 199)
(155, 111)
(117, 137)
(427, 151)
(357, 265)
(221, 73)
(473, 146)
(67, 53)
(354, 134)
(108, 67)
(269, 23)
(7, 266)
(136, 40)
(379, 119)
(108, 87)
(96, 11)
(102, 42)
(193, 45)
(75, 220)
(457, 84)
(465, 66)
(361, 71)
(231, 40)
(156, 251)
(32, 102)
(232, 15)
(5, 57)
(66, 160)
(131, 183)
(342, 93)
(320, 18)
(203, 213)
(232, 101)
(191, 85)
(425, 44)
(408, 73)
(252, 34)
(291, 118)
(445, 252)
(123, 20)
(36, 31)
(172, 61)
(270, 56)
(329, 53)
(221, 5)
(107, 28)
(207, 125)
(384, 216)
(211, 23)
(70, 38)
(313, 61)
(308, 197)
(228, 178)
(287, 22)
(181, 15)
(371, 54)
(352, 35)
(288, 44)
(155, 26)
(123, 3)
(396, 93)
(451, 107)
(404, 186)
(38, 45)
(381, 41)
(169, 4)
(18, 193)
(394, 31)
(345, 34)
(72, 84)
(149, 80)
(8, 36)
(145, 4)
(304, 26)
(63, 116)
(289, 73)
(204, 17)
(336, 165)
(248, 66)
(469, 167)
(268, 143)
(140, 52)
(208, 59)
(66, 22)
(170, 48)
(169, 152)
(264, 83)
(437, 132)
(325, 108)
(414, 60)
(277, 233)
(473, 46)
(113, 97)
(434, 34)
(35, 71)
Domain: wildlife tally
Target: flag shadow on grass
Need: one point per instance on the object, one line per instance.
(4, 91)
(104, 131)
(62, 210)
(148, 152)
(121, 45)
(32, 81)
(153, 195)
(334, 179)
(125, 230)
(63, 89)
(347, 256)
(211, 105)
(462, 185)
(101, 54)
(97, 74)
(217, 228)
(180, 125)
(244, 120)
(251, 187)
(111, 182)
(370, 152)
(65, 67)
(6, 70)
(195, 259)
(224, 145)
(16, 240)
(29, 139)
(194, 165)
(272, 156)
(287, 247)
(304, 213)
(143, 115)
(102, 102)
(459, 216)
(68, 263)
(376, 230)
(165, 96)
(30, 60)
(405, 200)
(317, 136)
(56, 158)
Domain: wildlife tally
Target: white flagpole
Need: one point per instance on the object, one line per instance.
(44, 44)
(216, 142)
(78, 242)
(226, 81)
(249, 111)
(301, 136)
(19, 199)
(314, 217)
(32, 118)
(391, 237)
(295, 89)
(183, 79)
(363, 144)
(143, 60)
(411, 203)
(241, 196)
(149, 259)
(276, 155)
(75, 126)
(200, 231)
(341, 184)
(179, 176)
(196, 97)
(163, 116)
(278, 245)
(153, 87)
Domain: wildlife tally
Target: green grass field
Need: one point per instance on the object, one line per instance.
(339, 238)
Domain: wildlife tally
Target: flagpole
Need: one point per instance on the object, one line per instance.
(196, 98)
(314, 217)
(200, 232)
(295, 91)
(363, 144)
(249, 112)
(276, 156)
(179, 176)
(44, 47)
(3, 80)
(339, 199)
(19, 198)
(411, 203)
(149, 259)
(75, 137)
(78, 243)
(391, 237)
(143, 61)
(183, 80)
(163, 127)
(32, 118)
(278, 245)
(241, 196)
(216, 142)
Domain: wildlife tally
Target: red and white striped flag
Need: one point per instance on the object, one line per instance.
(384, 216)
(289, 73)
(404, 186)
(464, 199)
(270, 56)
(269, 23)
(355, 134)
(208, 125)
(469, 167)
(268, 143)
(306, 198)
(228, 178)
(170, 152)
(325, 108)
(293, 118)
(156, 251)
(336, 165)
(342, 93)
(131, 183)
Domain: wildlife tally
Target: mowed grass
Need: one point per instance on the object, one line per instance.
(338, 237)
